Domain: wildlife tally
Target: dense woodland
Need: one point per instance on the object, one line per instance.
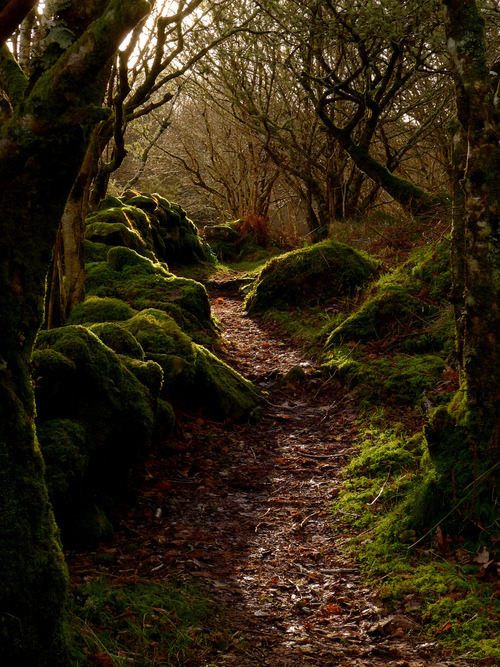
(335, 167)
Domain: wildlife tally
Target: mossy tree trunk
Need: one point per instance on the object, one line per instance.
(66, 281)
(464, 441)
(42, 146)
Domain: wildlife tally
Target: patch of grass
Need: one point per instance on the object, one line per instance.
(304, 326)
(417, 569)
(398, 378)
(141, 623)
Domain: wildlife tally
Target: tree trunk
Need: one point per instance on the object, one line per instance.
(41, 150)
(464, 441)
(66, 284)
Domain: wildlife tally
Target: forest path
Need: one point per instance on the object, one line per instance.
(244, 509)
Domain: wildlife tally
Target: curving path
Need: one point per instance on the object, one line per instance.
(245, 510)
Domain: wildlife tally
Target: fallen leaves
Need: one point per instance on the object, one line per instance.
(244, 511)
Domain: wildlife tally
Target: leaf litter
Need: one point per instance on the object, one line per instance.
(244, 510)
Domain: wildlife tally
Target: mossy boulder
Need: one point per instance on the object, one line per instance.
(238, 240)
(397, 345)
(100, 309)
(227, 242)
(386, 379)
(191, 373)
(118, 339)
(95, 252)
(408, 307)
(310, 276)
(150, 225)
(141, 283)
(113, 228)
(95, 420)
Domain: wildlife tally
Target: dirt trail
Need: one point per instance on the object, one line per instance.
(245, 510)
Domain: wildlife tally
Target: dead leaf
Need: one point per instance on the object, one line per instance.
(447, 626)
(483, 559)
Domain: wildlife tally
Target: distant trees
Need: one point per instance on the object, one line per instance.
(348, 101)
(143, 79)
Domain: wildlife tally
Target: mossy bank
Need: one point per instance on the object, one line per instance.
(107, 382)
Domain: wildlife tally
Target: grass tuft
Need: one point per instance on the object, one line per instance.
(141, 623)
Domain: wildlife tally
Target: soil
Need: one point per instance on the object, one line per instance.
(244, 510)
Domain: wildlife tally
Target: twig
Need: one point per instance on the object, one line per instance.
(302, 523)
(381, 490)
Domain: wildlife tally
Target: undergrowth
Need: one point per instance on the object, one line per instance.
(141, 623)
(450, 584)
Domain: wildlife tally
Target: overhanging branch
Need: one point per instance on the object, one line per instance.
(12, 16)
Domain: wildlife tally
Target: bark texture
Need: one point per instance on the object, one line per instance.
(464, 440)
(41, 149)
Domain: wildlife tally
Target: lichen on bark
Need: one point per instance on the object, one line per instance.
(464, 440)
(42, 145)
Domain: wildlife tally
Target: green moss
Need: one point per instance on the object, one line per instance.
(144, 284)
(34, 584)
(97, 309)
(408, 305)
(110, 202)
(119, 258)
(113, 234)
(95, 252)
(398, 378)
(380, 316)
(311, 275)
(225, 392)
(158, 333)
(305, 326)
(149, 373)
(467, 478)
(118, 339)
(67, 449)
(190, 372)
(164, 228)
(384, 487)
(83, 387)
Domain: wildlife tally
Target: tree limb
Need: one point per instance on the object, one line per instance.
(12, 16)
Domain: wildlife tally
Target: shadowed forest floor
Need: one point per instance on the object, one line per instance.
(244, 510)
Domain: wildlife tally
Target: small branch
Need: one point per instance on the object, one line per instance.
(12, 16)
(381, 490)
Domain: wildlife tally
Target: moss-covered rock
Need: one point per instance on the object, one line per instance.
(191, 373)
(84, 515)
(310, 276)
(118, 339)
(397, 344)
(95, 252)
(113, 233)
(142, 284)
(408, 307)
(150, 225)
(239, 240)
(97, 309)
(96, 419)
(148, 372)
(388, 379)
(226, 241)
